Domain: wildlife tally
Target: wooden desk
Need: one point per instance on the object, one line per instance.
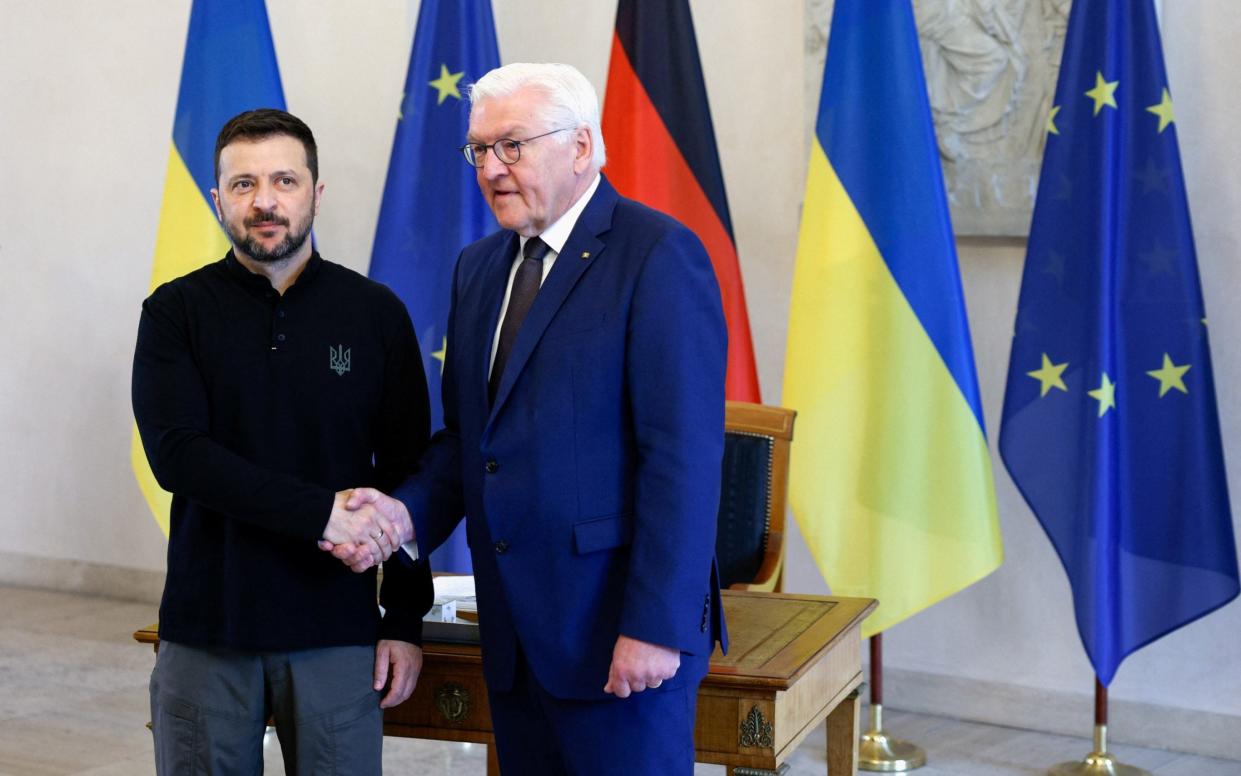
(794, 661)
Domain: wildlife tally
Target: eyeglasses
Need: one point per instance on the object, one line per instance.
(506, 149)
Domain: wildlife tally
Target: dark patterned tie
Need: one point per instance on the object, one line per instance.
(525, 285)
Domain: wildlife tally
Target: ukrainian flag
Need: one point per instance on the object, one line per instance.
(890, 477)
(229, 67)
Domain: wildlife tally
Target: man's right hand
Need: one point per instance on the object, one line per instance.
(365, 528)
(369, 523)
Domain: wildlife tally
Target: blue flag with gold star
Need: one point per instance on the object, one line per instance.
(1109, 427)
(431, 204)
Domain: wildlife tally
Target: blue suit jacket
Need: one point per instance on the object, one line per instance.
(591, 487)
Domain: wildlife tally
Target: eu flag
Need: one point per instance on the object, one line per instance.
(1109, 426)
(431, 204)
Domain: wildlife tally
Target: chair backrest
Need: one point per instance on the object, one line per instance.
(749, 542)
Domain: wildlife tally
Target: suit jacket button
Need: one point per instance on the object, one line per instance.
(491, 466)
(501, 547)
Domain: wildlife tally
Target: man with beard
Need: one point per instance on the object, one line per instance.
(264, 384)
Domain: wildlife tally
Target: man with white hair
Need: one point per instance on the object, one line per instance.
(583, 394)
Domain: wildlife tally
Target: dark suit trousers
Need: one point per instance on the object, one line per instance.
(651, 732)
(209, 709)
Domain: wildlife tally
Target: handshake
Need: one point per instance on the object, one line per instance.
(365, 528)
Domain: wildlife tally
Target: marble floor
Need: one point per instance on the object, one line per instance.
(73, 700)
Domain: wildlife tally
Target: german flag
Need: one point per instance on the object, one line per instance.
(661, 151)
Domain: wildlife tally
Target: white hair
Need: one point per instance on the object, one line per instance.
(571, 100)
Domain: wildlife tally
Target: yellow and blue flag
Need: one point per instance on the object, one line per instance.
(229, 67)
(890, 477)
(431, 206)
(1109, 427)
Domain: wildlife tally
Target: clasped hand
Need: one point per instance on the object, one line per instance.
(365, 528)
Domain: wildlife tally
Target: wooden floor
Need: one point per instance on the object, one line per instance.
(73, 700)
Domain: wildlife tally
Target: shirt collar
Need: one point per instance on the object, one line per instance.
(259, 283)
(558, 233)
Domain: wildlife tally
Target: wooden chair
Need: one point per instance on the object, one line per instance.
(749, 543)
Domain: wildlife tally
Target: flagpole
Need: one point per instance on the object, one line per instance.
(1099, 762)
(877, 751)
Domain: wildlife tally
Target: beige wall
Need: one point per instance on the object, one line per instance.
(87, 93)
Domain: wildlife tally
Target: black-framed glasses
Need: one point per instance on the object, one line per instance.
(506, 149)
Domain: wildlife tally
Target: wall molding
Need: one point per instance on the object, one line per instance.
(1204, 733)
(83, 577)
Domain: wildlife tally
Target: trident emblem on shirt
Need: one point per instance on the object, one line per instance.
(338, 359)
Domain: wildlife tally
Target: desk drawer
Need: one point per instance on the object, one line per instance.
(449, 698)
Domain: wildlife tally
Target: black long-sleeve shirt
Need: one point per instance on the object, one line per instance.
(254, 408)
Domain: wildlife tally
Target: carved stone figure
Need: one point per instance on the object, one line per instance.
(991, 68)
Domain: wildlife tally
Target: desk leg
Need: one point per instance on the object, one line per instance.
(493, 762)
(842, 737)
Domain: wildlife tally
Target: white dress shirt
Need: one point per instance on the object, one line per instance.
(555, 236)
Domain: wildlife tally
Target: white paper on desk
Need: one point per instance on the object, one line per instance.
(456, 588)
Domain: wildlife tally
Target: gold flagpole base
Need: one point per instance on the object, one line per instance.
(879, 752)
(1097, 763)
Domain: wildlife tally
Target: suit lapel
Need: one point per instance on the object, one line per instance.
(580, 251)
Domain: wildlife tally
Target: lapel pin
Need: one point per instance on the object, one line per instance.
(585, 254)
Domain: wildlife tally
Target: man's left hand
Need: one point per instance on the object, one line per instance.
(356, 556)
(404, 662)
(637, 665)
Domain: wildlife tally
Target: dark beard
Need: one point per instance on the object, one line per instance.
(292, 242)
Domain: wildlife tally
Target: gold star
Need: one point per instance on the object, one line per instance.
(1152, 176)
(1051, 120)
(1169, 376)
(441, 354)
(1163, 110)
(1049, 375)
(1054, 266)
(1159, 259)
(1023, 324)
(1103, 93)
(1064, 188)
(446, 84)
(1106, 394)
